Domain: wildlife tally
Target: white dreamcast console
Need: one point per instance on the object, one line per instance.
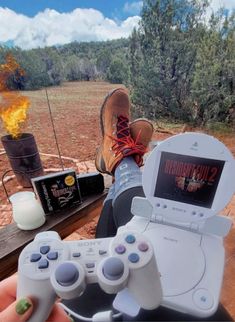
(187, 179)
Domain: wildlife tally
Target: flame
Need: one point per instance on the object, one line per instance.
(13, 106)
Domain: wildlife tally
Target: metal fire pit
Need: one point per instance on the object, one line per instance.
(24, 158)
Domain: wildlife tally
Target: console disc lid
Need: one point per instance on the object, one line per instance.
(179, 257)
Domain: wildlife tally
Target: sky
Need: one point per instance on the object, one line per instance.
(31, 24)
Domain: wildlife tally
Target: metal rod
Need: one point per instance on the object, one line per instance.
(3, 183)
(53, 126)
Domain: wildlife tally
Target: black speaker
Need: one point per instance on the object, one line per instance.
(90, 183)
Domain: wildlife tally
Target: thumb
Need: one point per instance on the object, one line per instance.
(19, 310)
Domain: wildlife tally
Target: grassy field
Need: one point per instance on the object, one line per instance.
(75, 110)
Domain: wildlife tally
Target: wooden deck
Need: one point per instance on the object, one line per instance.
(13, 240)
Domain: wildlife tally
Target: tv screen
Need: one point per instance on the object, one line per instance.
(188, 179)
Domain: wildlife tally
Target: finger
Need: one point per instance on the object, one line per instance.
(19, 310)
(58, 315)
(8, 291)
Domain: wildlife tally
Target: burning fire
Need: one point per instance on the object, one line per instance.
(13, 106)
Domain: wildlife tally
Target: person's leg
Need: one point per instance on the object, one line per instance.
(128, 184)
(127, 175)
(120, 140)
(122, 205)
(116, 210)
(106, 226)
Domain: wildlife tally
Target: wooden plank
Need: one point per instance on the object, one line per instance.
(13, 240)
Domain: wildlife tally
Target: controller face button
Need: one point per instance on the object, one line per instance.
(35, 257)
(120, 249)
(44, 249)
(43, 264)
(143, 247)
(52, 255)
(130, 239)
(76, 254)
(66, 274)
(134, 258)
(113, 268)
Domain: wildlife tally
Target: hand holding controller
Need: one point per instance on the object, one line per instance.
(49, 267)
(36, 263)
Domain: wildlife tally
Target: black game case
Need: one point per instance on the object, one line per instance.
(57, 191)
(90, 183)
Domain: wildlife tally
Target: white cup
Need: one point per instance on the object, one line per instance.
(28, 213)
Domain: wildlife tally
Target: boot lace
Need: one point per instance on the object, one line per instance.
(124, 143)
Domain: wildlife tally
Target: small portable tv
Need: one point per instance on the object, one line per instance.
(188, 177)
(187, 180)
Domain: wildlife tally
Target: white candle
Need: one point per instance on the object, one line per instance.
(27, 211)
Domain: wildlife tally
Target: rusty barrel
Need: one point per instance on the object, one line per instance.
(24, 157)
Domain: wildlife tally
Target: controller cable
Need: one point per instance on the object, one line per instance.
(106, 316)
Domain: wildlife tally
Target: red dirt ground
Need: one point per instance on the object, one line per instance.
(75, 109)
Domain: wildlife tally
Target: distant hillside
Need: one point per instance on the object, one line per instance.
(75, 61)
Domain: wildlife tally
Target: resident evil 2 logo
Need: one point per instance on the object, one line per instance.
(188, 179)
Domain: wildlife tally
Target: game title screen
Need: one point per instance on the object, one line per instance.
(188, 179)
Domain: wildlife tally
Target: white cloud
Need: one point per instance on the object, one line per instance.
(50, 27)
(9, 20)
(133, 8)
(217, 4)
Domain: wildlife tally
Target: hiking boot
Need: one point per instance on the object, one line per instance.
(141, 131)
(117, 141)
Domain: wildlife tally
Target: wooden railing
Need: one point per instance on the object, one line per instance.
(13, 240)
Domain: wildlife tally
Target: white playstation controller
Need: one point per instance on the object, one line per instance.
(49, 267)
